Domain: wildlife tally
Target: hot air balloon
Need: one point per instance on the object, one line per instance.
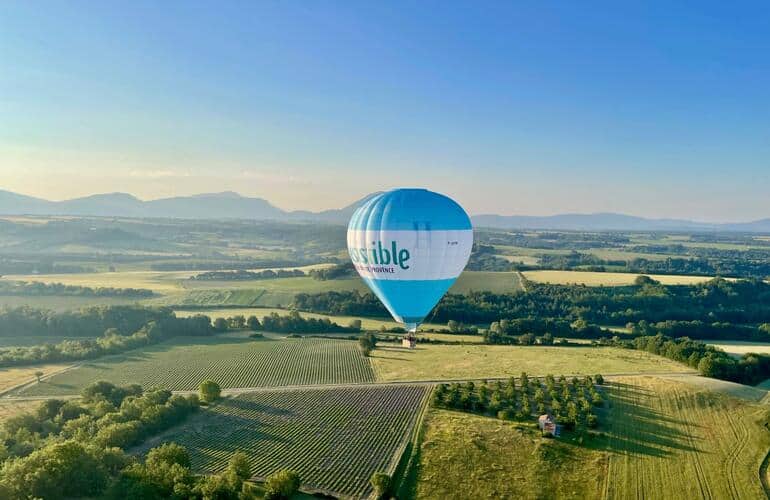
(409, 246)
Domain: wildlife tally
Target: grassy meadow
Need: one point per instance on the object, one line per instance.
(590, 278)
(15, 376)
(469, 456)
(659, 438)
(447, 362)
(681, 441)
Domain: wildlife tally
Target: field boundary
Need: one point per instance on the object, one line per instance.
(298, 387)
(409, 462)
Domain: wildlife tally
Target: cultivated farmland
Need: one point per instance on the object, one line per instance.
(334, 438)
(182, 363)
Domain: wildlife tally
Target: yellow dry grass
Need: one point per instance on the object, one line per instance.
(605, 279)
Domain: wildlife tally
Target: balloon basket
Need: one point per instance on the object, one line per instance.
(410, 340)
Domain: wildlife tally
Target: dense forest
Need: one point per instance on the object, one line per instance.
(725, 309)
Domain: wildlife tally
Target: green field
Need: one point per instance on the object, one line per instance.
(659, 438)
(334, 438)
(437, 362)
(233, 361)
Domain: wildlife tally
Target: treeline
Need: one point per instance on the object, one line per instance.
(551, 240)
(41, 289)
(227, 265)
(346, 303)
(10, 265)
(541, 331)
(111, 342)
(571, 401)
(569, 310)
(710, 361)
(335, 272)
(290, 323)
(755, 264)
(86, 322)
(717, 300)
(701, 330)
(483, 258)
(75, 449)
(243, 275)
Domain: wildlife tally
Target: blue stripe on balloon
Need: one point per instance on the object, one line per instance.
(409, 301)
(404, 210)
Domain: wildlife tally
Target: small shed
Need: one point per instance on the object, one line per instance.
(409, 341)
(548, 425)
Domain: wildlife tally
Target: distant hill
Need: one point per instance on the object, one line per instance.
(230, 205)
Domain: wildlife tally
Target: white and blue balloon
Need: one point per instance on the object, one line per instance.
(409, 246)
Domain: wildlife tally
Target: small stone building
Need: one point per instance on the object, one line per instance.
(547, 424)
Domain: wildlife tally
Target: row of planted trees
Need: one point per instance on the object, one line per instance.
(571, 401)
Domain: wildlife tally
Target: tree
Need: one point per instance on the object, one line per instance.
(380, 482)
(60, 470)
(599, 379)
(170, 453)
(454, 326)
(210, 391)
(367, 342)
(239, 466)
(38, 374)
(220, 324)
(237, 322)
(253, 323)
(355, 325)
(281, 485)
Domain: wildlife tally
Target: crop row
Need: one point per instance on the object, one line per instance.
(334, 438)
(183, 364)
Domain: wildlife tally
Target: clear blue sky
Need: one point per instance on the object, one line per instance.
(656, 108)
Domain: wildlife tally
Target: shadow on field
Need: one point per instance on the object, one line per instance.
(633, 427)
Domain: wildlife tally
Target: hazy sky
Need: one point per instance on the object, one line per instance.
(656, 109)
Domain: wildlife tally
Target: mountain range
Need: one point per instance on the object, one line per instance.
(230, 205)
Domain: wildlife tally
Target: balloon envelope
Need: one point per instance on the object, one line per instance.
(409, 246)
